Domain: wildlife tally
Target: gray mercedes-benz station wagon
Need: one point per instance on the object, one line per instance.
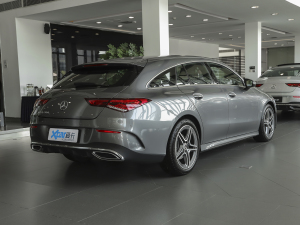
(164, 109)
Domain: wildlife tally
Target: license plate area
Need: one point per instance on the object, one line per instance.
(63, 135)
(278, 99)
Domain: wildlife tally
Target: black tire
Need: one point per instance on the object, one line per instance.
(171, 163)
(263, 136)
(78, 159)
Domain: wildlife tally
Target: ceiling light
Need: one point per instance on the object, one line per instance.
(268, 34)
(99, 22)
(295, 2)
(54, 29)
(255, 7)
(274, 14)
(220, 33)
(138, 28)
(291, 19)
(274, 30)
(181, 6)
(239, 37)
(77, 31)
(170, 11)
(97, 34)
(205, 20)
(192, 36)
(72, 37)
(188, 16)
(131, 17)
(120, 25)
(203, 38)
(275, 43)
(230, 35)
(171, 24)
(53, 34)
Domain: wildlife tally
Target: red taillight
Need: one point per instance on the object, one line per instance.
(108, 131)
(126, 105)
(95, 65)
(33, 127)
(122, 105)
(296, 96)
(293, 84)
(259, 85)
(40, 102)
(98, 102)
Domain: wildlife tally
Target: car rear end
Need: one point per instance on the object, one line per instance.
(84, 115)
(283, 84)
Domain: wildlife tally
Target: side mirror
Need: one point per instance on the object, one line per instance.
(249, 83)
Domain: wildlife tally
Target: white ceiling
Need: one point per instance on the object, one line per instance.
(112, 12)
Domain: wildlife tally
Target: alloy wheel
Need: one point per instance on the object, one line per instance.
(269, 122)
(186, 147)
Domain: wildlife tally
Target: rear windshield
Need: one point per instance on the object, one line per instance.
(100, 77)
(283, 72)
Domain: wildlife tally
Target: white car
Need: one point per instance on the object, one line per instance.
(283, 84)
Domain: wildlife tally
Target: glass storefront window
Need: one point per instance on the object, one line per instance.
(59, 63)
(86, 56)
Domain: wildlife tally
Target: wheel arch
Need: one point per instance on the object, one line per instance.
(194, 120)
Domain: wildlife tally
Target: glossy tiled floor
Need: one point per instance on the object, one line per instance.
(243, 183)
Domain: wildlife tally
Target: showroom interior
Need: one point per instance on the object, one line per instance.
(244, 182)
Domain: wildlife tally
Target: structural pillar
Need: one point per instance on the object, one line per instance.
(253, 50)
(297, 48)
(155, 27)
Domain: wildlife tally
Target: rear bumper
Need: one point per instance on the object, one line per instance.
(107, 152)
(288, 106)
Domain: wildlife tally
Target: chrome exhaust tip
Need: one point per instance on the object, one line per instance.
(37, 148)
(107, 155)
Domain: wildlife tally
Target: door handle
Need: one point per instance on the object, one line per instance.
(198, 96)
(232, 94)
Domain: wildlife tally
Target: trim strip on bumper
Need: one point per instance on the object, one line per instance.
(121, 158)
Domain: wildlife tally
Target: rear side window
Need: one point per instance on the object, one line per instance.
(198, 73)
(225, 75)
(182, 77)
(282, 72)
(165, 79)
(108, 75)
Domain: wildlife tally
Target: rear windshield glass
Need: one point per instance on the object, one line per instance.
(283, 72)
(100, 77)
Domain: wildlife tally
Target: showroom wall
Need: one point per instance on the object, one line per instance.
(278, 56)
(185, 47)
(34, 54)
(9, 50)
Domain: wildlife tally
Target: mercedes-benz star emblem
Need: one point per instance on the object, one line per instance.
(63, 105)
(273, 86)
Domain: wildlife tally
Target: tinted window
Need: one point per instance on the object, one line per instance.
(101, 76)
(165, 79)
(182, 77)
(198, 73)
(282, 72)
(225, 75)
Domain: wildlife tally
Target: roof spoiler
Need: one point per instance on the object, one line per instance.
(289, 64)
